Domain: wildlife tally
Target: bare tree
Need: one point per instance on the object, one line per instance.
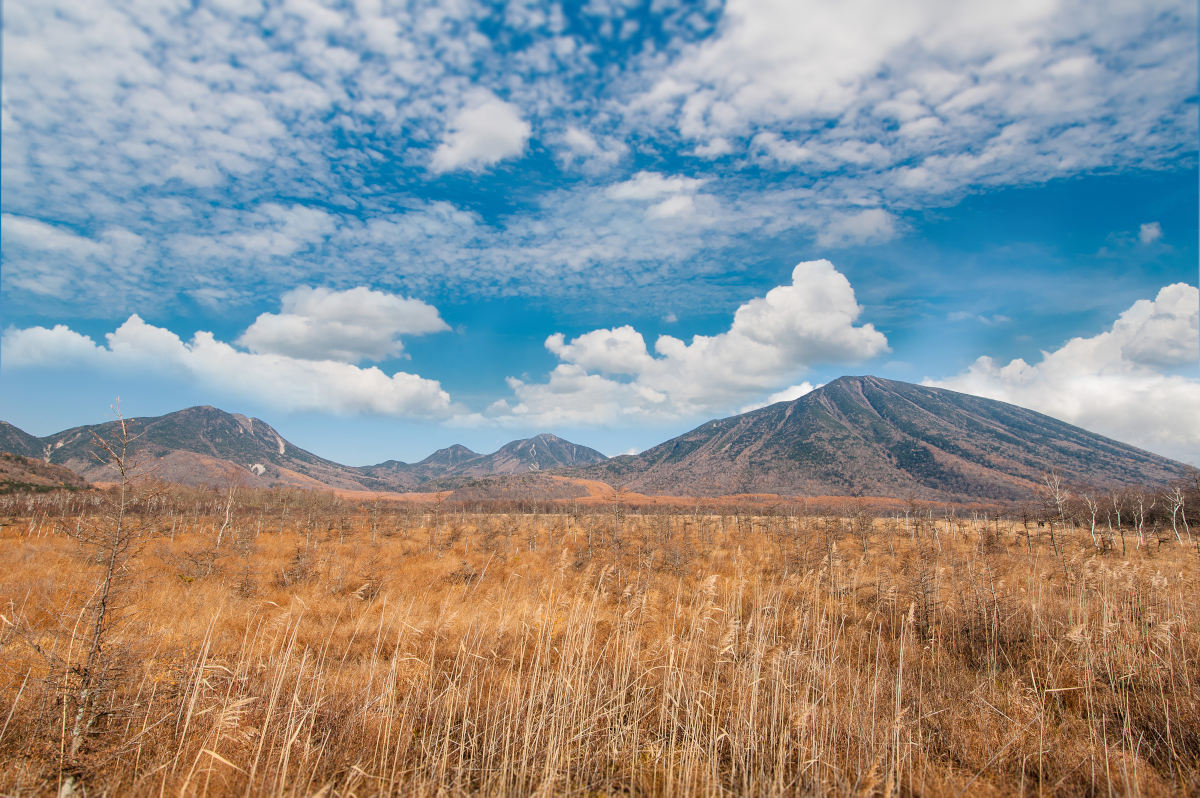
(1176, 499)
(1139, 501)
(1183, 517)
(1093, 509)
(112, 541)
(230, 494)
(1117, 499)
(1057, 497)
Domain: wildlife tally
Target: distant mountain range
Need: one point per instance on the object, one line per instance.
(454, 465)
(204, 445)
(874, 437)
(855, 436)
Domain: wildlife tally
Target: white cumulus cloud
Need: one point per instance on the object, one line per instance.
(611, 374)
(485, 131)
(1119, 382)
(351, 326)
(621, 350)
(279, 380)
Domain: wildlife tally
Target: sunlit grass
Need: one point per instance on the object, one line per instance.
(339, 650)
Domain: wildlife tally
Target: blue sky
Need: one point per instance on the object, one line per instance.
(387, 228)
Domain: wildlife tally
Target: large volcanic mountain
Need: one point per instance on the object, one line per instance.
(204, 445)
(875, 437)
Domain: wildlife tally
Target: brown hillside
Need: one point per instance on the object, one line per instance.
(19, 473)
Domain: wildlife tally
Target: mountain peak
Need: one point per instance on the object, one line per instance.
(865, 435)
(449, 456)
(207, 410)
(200, 445)
(858, 381)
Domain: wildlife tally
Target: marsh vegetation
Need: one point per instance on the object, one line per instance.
(272, 642)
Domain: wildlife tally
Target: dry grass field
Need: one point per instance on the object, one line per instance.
(278, 643)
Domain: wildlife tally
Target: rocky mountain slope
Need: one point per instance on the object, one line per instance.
(876, 437)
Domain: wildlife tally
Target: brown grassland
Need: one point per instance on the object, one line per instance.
(290, 643)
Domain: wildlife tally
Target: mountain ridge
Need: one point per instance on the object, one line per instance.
(857, 435)
(869, 436)
(206, 445)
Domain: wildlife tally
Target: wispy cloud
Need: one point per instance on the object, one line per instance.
(982, 318)
(933, 98)
(243, 144)
(1150, 232)
(868, 226)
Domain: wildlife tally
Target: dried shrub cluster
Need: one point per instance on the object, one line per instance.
(287, 643)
